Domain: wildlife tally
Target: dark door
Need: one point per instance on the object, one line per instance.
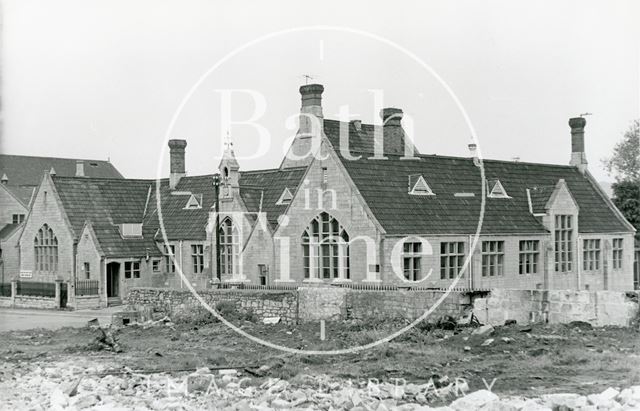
(113, 280)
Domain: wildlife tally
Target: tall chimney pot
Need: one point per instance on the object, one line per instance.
(177, 161)
(578, 154)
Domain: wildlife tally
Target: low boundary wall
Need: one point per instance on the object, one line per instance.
(598, 308)
(304, 304)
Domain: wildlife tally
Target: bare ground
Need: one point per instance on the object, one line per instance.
(526, 361)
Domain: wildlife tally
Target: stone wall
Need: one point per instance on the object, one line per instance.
(404, 304)
(599, 308)
(322, 303)
(308, 304)
(24, 301)
(183, 305)
(302, 305)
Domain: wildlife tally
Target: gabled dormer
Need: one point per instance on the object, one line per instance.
(194, 202)
(418, 186)
(285, 197)
(495, 189)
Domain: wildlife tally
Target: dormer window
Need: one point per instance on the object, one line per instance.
(129, 230)
(418, 186)
(194, 203)
(285, 197)
(496, 190)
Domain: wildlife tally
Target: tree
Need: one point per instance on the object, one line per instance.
(624, 165)
(626, 196)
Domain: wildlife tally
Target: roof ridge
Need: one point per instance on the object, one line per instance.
(489, 160)
(56, 158)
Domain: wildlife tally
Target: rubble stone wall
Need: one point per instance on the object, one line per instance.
(183, 305)
(404, 304)
(598, 308)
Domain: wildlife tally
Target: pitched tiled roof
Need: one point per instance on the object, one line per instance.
(383, 184)
(105, 203)
(362, 141)
(8, 230)
(28, 170)
(539, 198)
(181, 223)
(268, 185)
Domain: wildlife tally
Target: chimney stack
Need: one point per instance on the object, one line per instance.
(578, 155)
(177, 162)
(80, 168)
(393, 135)
(5, 179)
(311, 104)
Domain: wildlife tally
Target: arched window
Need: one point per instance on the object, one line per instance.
(325, 249)
(45, 247)
(229, 246)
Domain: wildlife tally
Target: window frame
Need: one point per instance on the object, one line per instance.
(617, 253)
(45, 247)
(87, 270)
(170, 265)
(563, 243)
(451, 259)
(528, 256)
(132, 269)
(412, 254)
(591, 254)
(324, 242)
(493, 257)
(197, 258)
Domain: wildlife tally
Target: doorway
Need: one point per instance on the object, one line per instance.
(113, 280)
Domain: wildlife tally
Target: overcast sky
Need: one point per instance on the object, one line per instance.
(103, 79)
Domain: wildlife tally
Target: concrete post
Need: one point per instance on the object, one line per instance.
(57, 297)
(14, 292)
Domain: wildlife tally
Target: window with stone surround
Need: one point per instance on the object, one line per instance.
(169, 258)
(617, 253)
(87, 271)
(591, 253)
(45, 246)
(17, 218)
(492, 258)
(197, 257)
(412, 260)
(563, 246)
(131, 269)
(529, 256)
(229, 247)
(451, 259)
(325, 249)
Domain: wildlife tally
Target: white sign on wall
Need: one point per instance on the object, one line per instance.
(26, 274)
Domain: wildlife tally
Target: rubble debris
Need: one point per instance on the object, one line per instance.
(41, 388)
(487, 342)
(510, 322)
(485, 329)
(271, 320)
(107, 340)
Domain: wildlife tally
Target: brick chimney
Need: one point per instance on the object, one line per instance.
(4, 179)
(393, 135)
(177, 162)
(299, 153)
(80, 168)
(578, 155)
(311, 104)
